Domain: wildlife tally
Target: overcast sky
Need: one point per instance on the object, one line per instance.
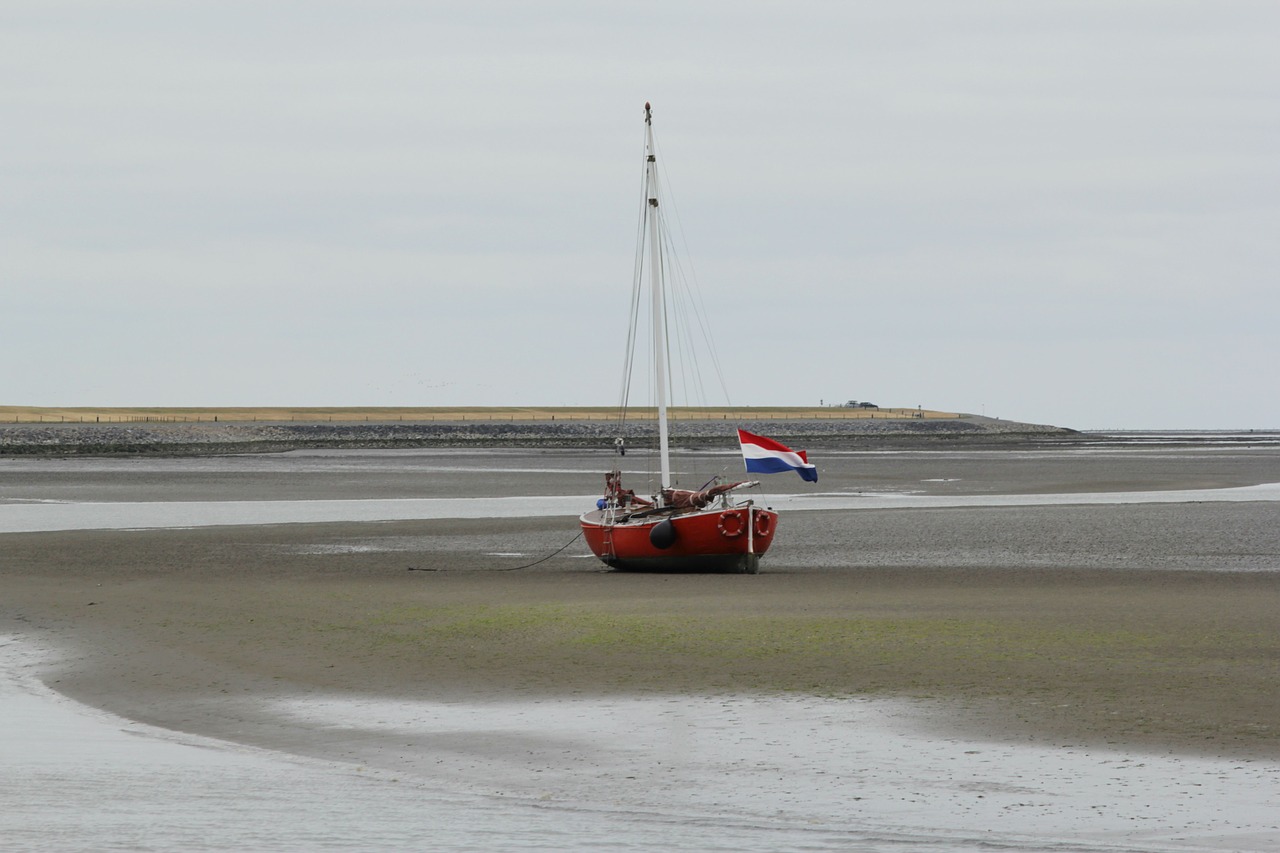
(1064, 213)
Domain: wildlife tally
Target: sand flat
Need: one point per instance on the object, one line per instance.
(1086, 674)
(165, 623)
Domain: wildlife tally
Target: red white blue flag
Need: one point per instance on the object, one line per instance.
(766, 456)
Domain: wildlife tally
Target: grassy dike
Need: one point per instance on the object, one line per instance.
(447, 414)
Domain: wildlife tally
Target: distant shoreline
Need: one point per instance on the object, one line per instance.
(160, 434)
(220, 432)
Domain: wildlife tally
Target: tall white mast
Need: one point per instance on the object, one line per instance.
(659, 301)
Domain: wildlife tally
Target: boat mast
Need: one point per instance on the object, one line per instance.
(659, 300)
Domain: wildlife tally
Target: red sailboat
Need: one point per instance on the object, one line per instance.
(707, 529)
(683, 530)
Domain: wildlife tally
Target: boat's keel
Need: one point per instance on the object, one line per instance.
(732, 564)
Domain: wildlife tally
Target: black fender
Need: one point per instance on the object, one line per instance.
(663, 534)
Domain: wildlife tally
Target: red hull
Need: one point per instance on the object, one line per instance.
(706, 540)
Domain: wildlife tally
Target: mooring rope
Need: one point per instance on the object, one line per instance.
(515, 568)
(544, 559)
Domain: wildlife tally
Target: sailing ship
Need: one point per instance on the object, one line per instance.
(707, 529)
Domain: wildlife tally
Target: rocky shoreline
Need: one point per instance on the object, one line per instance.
(188, 439)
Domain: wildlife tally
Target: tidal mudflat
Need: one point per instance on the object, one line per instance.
(1032, 656)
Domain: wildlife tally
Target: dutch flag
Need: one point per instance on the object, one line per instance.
(766, 456)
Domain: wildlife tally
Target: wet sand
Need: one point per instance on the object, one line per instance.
(198, 630)
(1139, 626)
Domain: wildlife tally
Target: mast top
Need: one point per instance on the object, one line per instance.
(648, 117)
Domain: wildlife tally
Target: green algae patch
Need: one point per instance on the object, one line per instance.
(603, 647)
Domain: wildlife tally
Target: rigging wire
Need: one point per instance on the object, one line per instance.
(637, 276)
(687, 331)
(688, 288)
